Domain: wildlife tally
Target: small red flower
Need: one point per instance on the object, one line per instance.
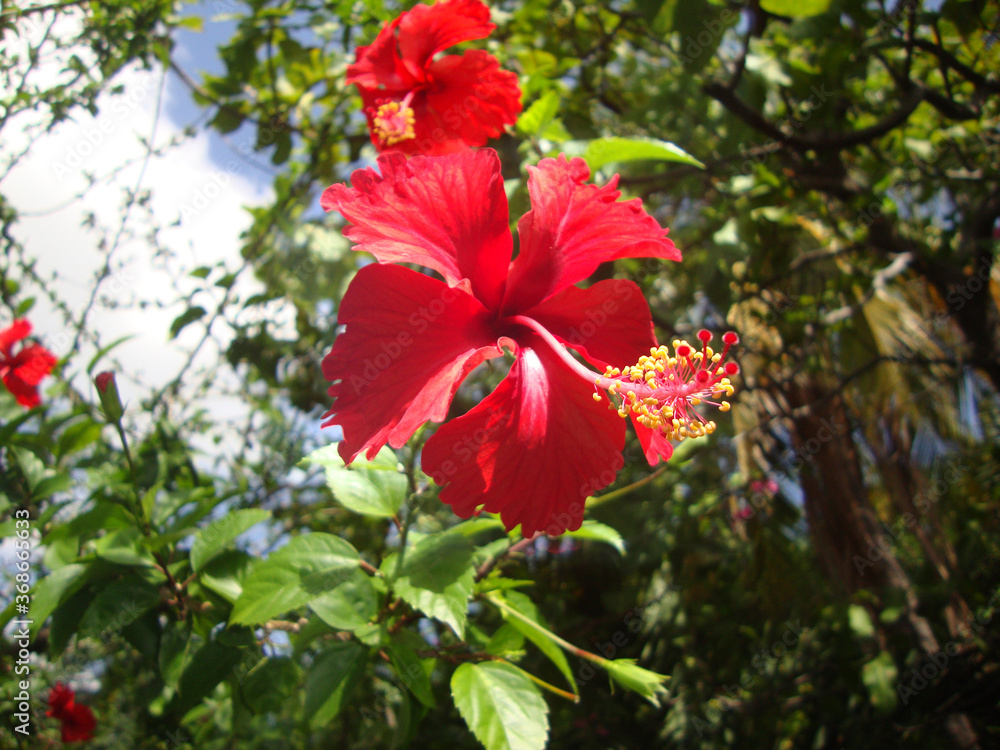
(77, 720)
(417, 104)
(22, 372)
(538, 445)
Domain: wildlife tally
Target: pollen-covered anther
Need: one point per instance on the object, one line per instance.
(663, 388)
(393, 122)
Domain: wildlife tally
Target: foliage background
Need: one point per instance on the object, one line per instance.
(822, 572)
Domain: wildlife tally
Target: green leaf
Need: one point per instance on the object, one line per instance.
(116, 605)
(122, 547)
(599, 532)
(615, 150)
(176, 649)
(78, 436)
(860, 621)
(185, 319)
(437, 578)
(266, 687)
(410, 669)
(369, 488)
(217, 536)
(531, 625)
(293, 575)
(210, 665)
(226, 573)
(879, 677)
(795, 8)
(104, 350)
(52, 590)
(631, 677)
(334, 674)
(352, 604)
(536, 117)
(31, 466)
(501, 706)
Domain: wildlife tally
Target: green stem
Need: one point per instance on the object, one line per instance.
(566, 645)
(545, 685)
(595, 501)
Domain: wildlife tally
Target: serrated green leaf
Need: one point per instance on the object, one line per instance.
(293, 575)
(269, 683)
(351, 604)
(176, 650)
(370, 488)
(31, 466)
(334, 674)
(218, 535)
(437, 578)
(78, 436)
(615, 150)
(501, 706)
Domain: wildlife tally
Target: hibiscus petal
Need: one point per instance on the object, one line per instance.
(13, 333)
(426, 30)
(32, 364)
(533, 450)
(448, 213)
(654, 445)
(409, 342)
(608, 323)
(571, 228)
(470, 101)
(378, 66)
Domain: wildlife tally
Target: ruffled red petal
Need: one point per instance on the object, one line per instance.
(13, 333)
(32, 364)
(78, 723)
(571, 228)
(533, 450)
(378, 66)
(426, 30)
(409, 342)
(654, 445)
(608, 323)
(60, 696)
(448, 213)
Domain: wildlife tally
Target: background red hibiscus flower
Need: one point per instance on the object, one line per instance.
(417, 104)
(76, 720)
(22, 372)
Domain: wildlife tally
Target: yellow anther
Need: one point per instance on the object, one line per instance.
(597, 397)
(724, 406)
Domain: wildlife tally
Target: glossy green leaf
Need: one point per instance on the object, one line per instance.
(531, 625)
(334, 674)
(290, 577)
(502, 707)
(218, 535)
(437, 578)
(879, 676)
(615, 150)
(370, 488)
(599, 532)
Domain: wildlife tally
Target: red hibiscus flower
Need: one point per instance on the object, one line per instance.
(416, 104)
(538, 445)
(77, 721)
(22, 372)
